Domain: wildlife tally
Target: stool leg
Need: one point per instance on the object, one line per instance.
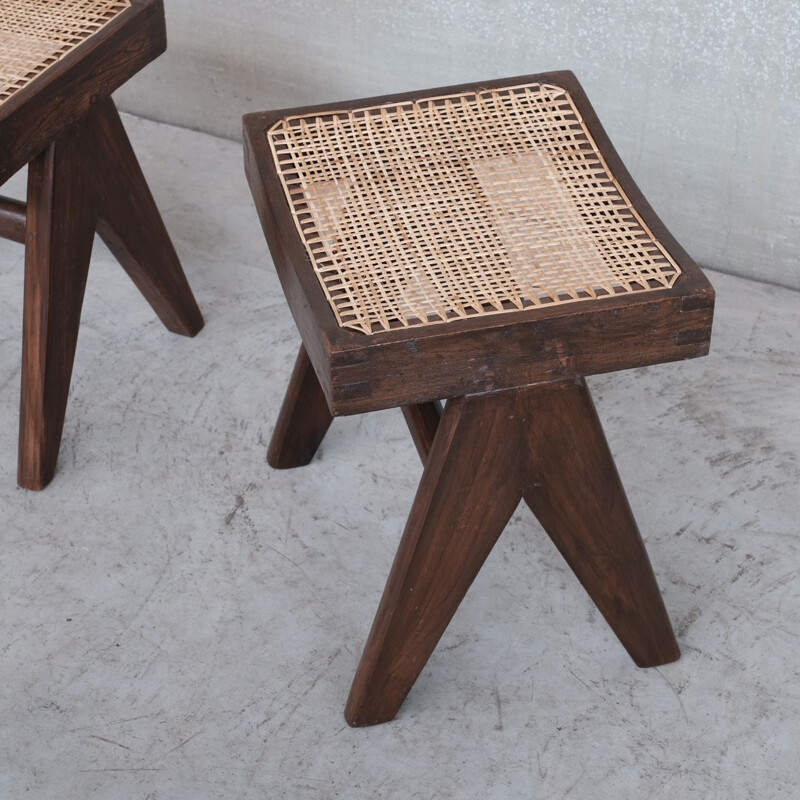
(575, 492)
(131, 226)
(423, 422)
(303, 421)
(471, 485)
(61, 217)
(546, 443)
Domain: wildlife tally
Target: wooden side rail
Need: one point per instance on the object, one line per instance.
(12, 219)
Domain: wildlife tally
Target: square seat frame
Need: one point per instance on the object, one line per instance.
(519, 422)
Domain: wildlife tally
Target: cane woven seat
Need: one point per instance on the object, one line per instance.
(35, 34)
(486, 202)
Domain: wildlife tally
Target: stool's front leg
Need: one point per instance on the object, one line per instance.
(574, 490)
(61, 216)
(471, 486)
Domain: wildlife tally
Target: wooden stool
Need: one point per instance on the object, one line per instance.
(59, 64)
(484, 244)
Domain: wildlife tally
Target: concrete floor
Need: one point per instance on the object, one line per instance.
(180, 621)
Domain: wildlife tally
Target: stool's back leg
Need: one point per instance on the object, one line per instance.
(575, 492)
(303, 421)
(471, 486)
(131, 226)
(61, 217)
(423, 422)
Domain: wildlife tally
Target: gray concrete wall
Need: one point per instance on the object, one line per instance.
(701, 99)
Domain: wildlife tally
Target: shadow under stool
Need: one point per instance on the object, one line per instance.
(484, 245)
(59, 64)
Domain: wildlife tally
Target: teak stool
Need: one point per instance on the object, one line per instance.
(59, 63)
(484, 244)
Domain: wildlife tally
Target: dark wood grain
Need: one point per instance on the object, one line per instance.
(303, 421)
(544, 443)
(575, 492)
(130, 224)
(62, 210)
(524, 349)
(12, 220)
(469, 489)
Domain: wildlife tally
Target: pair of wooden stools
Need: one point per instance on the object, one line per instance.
(480, 244)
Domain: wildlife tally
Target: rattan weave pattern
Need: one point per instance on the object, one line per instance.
(422, 212)
(35, 34)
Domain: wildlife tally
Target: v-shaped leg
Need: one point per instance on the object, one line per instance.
(545, 442)
(61, 216)
(471, 485)
(87, 180)
(574, 490)
(131, 225)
